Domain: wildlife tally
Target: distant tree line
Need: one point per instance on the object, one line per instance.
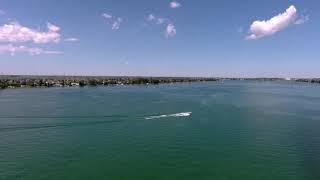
(62, 81)
(309, 80)
(81, 81)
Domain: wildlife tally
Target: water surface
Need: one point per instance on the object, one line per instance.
(237, 130)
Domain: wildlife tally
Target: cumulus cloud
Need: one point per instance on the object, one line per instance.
(107, 16)
(170, 30)
(260, 29)
(157, 20)
(116, 24)
(174, 4)
(151, 17)
(15, 33)
(12, 50)
(71, 40)
(115, 21)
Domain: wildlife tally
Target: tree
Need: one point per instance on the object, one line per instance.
(92, 82)
(82, 83)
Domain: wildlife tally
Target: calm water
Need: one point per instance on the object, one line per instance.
(237, 130)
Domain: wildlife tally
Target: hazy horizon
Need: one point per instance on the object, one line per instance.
(79, 75)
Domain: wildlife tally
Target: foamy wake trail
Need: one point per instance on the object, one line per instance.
(183, 114)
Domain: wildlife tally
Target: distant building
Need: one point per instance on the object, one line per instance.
(75, 84)
(57, 85)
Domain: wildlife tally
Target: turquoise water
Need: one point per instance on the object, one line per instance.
(237, 130)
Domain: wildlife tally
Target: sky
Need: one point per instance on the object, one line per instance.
(210, 38)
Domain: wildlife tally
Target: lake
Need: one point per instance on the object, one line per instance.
(198, 131)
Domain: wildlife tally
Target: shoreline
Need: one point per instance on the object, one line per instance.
(82, 81)
(21, 81)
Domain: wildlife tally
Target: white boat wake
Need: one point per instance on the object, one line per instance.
(183, 114)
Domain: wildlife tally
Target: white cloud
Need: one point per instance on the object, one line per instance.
(161, 20)
(170, 30)
(260, 29)
(71, 40)
(116, 24)
(53, 28)
(157, 20)
(107, 16)
(302, 20)
(174, 4)
(12, 50)
(16, 33)
(115, 21)
(151, 17)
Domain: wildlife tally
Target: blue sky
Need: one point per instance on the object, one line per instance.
(153, 38)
